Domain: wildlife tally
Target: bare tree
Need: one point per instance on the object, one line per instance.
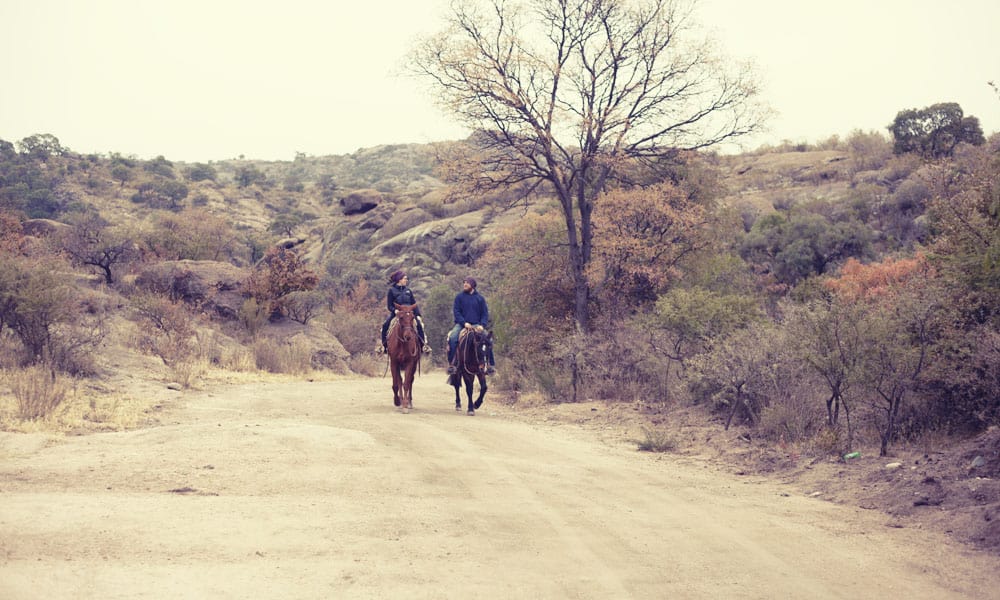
(567, 96)
(90, 241)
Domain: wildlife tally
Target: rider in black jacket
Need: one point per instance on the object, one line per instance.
(400, 294)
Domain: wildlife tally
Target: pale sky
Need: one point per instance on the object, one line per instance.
(200, 80)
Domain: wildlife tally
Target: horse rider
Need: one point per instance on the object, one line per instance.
(470, 312)
(400, 294)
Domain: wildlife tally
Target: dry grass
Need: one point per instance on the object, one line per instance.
(40, 402)
(188, 371)
(367, 364)
(38, 390)
(292, 358)
(656, 439)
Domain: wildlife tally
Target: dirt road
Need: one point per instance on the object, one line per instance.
(324, 490)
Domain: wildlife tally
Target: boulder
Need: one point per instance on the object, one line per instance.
(361, 201)
(43, 227)
(325, 350)
(217, 287)
(456, 240)
(289, 243)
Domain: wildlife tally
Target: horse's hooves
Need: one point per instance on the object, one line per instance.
(471, 413)
(395, 401)
(405, 410)
(458, 407)
(477, 404)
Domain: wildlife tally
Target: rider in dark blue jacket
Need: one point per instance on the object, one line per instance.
(470, 312)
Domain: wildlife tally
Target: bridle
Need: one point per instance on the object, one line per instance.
(406, 332)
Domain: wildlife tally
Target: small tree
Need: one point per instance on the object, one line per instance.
(902, 311)
(122, 174)
(169, 329)
(90, 242)
(201, 172)
(739, 372)
(829, 335)
(43, 310)
(934, 131)
(280, 273)
(160, 166)
(248, 175)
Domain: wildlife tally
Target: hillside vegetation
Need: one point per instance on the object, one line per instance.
(835, 294)
(815, 299)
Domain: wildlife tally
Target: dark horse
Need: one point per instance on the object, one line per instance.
(403, 345)
(470, 358)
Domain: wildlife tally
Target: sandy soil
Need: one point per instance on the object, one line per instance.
(324, 490)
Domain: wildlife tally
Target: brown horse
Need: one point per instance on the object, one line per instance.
(470, 358)
(403, 345)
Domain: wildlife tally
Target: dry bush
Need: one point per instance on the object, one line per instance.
(869, 151)
(194, 234)
(621, 365)
(792, 417)
(657, 440)
(827, 442)
(39, 390)
(10, 350)
(254, 316)
(240, 359)
(367, 364)
(41, 306)
(276, 357)
(169, 328)
(189, 370)
(302, 306)
(357, 317)
(116, 412)
(278, 274)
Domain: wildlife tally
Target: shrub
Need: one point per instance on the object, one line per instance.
(293, 358)
(280, 273)
(302, 306)
(193, 234)
(367, 364)
(253, 316)
(43, 310)
(657, 440)
(357, 316)
(188, 370)
(169, 332)
(38, 390)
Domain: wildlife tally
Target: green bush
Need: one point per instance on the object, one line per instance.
(43, 310)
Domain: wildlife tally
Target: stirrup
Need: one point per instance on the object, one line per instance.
(380, 349)
(426, 349)
(452, 370)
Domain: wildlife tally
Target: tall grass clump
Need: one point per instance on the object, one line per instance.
(39, 390)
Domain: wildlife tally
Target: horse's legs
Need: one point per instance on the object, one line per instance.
(468, 393)
(407, 399)
(396, 384)
(482, 390)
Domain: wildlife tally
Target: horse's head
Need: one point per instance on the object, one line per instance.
(405, 316)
